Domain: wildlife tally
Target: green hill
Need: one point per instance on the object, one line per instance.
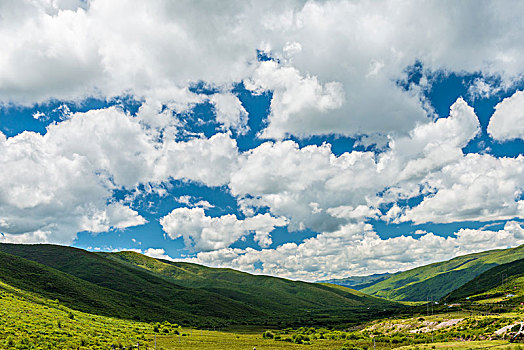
(119, 291)
(439, 279)
(498, 281)
(274, 293)
(130, 285)
(309, 301)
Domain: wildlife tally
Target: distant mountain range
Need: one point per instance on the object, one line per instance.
(433, 281)
(358, 282)
(133, 286)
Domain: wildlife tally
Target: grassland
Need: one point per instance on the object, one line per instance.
(471, 345)
(495, 285)
(29, 321)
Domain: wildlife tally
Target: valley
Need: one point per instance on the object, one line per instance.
(55, 297)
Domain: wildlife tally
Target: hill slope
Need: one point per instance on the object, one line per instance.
(268, 293)
(497, 281)
(132, 285)
(30, 321)
(439, 279)
(114, 292)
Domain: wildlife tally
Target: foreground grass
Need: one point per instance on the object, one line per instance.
(227, 340)
(470, 345)
(30, 322)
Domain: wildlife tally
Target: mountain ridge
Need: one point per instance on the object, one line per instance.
(502, 279)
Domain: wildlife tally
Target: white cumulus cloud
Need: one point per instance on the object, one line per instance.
(478, 187)
(60, 183)
(338, 61)
(507, 122)
(230, 112)
(318, 190)
(203, 232)
(356, 250)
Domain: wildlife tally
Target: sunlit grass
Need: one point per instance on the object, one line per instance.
(227, 340)
(491, 344)
(30, 322)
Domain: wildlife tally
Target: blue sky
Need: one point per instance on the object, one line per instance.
(267, 138)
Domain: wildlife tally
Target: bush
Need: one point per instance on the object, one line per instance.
(300, 339)
(349, 346)
(268, 335)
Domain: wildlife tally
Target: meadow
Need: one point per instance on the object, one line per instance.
(31, 322)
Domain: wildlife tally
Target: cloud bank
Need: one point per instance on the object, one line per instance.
(330, 68)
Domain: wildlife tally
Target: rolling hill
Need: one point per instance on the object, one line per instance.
(269, 293)
(130, 285)
(114, 292)
(439, 279)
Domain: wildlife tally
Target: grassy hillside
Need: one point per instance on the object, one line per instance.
(439, 279)
(307, 301)
(498, 281)
(146, 298)
(130, 285)
(32, 322)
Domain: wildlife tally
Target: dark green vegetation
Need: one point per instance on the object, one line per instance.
(132, 286)
(503, 281)
(307, 302)
(437, 280)
(359, 282)
(89, 283)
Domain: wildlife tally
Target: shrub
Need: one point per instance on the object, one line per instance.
(299, 338)
(268, 335)
(349, 346)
